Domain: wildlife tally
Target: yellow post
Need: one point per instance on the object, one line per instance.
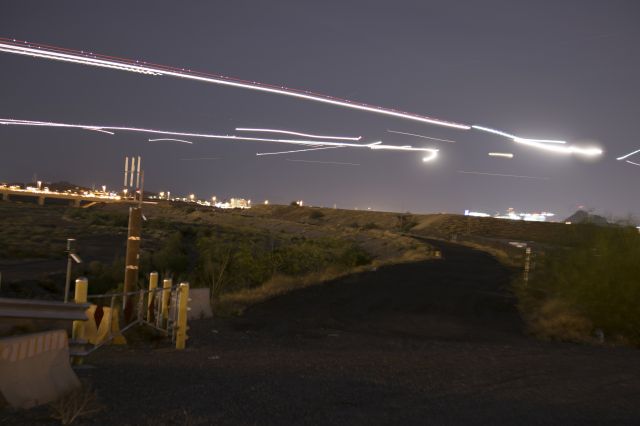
(166, 294)
(153, 285)
(183, 303)
(77, 329)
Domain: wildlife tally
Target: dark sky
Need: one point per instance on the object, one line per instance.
(556, 69)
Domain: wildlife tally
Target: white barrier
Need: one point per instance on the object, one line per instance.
(35, 368)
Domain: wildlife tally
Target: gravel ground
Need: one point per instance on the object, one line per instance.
(436, 342)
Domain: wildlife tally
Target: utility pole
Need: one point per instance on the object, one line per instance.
(132, 259)
(134, 234)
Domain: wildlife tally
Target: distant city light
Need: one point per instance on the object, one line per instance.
(513, 215)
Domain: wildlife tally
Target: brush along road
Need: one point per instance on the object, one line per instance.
(436, 342)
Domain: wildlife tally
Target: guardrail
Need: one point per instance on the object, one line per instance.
(42, 309)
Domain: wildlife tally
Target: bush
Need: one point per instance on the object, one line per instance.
(316, 214)
(597, 280)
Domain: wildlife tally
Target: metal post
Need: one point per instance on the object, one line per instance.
(527, 264)
(132, 259)
(77, 329)
(67, 283)
(153, 285)
(164, 307)
(183, 302)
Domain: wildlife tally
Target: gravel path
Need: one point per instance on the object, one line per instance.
(437, 342)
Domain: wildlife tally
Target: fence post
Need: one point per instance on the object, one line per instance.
(153, 285)
(77, 329)
(183, 302)
(166, 294)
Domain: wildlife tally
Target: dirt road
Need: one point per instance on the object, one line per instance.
(437, 342)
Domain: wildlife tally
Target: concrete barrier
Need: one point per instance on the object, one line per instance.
(35, 368)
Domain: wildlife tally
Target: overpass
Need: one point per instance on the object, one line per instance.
(75, 198)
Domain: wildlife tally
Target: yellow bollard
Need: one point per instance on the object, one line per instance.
(166, 294)
(77, 329)
(153, 285)
(183, 306)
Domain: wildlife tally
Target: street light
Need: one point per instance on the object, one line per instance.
(71, 257)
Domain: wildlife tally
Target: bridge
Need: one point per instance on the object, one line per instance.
(76, 199)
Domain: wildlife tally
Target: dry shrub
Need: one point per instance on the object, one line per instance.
(556, 320)
(80, 402)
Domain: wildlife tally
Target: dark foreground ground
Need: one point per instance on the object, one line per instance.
(436, 342)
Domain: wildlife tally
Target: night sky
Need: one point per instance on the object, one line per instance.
(548, 69)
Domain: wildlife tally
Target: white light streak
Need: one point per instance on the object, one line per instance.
(495, 132)
(323, 162)
(544, 144)
(628, 155)
(501, 154)
(297, 150)
(199, 158)
(66, 55)
(631, 162)
(306, 135)
(502, 175)
(519, 139)
(313, 144)
(571, 149)
(431, 156)
(101, 130)
(170, 139)
(421, 136)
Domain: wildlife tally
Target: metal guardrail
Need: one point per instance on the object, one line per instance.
(42, 309)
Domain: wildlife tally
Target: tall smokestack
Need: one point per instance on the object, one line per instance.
(132, 171)
(126, 169)
(138, 174)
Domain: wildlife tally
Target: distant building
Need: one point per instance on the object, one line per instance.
(239, 203)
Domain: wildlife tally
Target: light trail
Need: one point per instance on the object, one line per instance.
(421, 136)
(571, 149)
(102, 131)
(170, 139)
(121, 64)
(544, 144)
(323, 162)
(297, 150)
(306, 135)
(430, 157)
(501, 154)
(502, 175)
(628, 155)
(631, 162)
(200, 158)
(314, 144)
(516, 138)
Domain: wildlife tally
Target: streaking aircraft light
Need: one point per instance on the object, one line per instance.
(121, 64)
(170, 139)
(544, 144)
(306, 135)
(628, 155)
(323, 162)
(421, 136)
(502, 175)
(297, 150)
(313, 144)
(501, 154)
